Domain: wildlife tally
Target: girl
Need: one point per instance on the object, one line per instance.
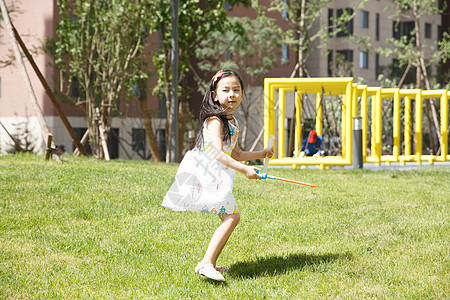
(204, 180)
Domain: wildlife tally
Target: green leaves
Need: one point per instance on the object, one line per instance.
(201, 26)
(101, 44)
(410, 49)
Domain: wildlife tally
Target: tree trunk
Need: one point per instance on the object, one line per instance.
(302, 33)
(182, 118)
(103, 132)
(168, 109)
(423, 80)
(404, 75)
(147, 119)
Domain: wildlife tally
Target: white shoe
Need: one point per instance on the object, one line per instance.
(209, 271)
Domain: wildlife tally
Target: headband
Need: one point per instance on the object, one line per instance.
(219, 75)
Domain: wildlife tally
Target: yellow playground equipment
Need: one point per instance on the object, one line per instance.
(355, 98)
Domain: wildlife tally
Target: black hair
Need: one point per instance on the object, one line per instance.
(212, 108)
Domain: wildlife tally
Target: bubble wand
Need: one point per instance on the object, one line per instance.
(267, 176)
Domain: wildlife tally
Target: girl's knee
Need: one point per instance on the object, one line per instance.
(235, 218)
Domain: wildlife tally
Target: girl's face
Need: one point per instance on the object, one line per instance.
(229, 93)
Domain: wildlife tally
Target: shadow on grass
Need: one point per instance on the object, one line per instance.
(276, 265)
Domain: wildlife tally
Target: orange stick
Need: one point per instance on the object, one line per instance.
(294, 181)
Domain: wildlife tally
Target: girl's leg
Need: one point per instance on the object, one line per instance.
(220, 238)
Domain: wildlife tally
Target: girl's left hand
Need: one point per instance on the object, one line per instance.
(268, 152)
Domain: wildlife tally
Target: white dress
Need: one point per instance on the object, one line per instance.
(202, 183)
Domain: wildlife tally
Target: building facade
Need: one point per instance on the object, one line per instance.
(375, 23)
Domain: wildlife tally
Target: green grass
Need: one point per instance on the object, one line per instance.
(89, 229)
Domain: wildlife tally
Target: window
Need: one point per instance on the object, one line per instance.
(162, 113)
(284, 13)
(138, 139)
(395, 30)
(400, 29)
(439, 32)
(363, 60)
(364, 19)
(227, 5)
(113, 143)
(330, 20)
(427, 30)
(161, 139)
(284, 54)
(80, 131)
(344, 63)
(135, 91)
(346, 55)
(330, 63)
(348, 27)
(377, 27)
(377, 65)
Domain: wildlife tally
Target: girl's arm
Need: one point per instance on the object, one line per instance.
(245, 155)
(215, 126)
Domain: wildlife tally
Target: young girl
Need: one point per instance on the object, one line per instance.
(204, 180)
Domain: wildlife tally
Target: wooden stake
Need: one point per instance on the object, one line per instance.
(82, 142)
(48, 151)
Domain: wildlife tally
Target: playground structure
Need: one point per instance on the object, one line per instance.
(407, 112)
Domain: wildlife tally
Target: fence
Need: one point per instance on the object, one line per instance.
(407, 105)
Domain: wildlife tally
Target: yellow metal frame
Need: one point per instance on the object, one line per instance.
(331, 86)
(350, 92)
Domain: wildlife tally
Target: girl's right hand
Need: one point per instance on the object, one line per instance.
(250, 172)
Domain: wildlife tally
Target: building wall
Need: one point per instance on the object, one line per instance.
(35, 20)
(385, 10)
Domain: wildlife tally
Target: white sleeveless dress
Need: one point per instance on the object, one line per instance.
(202, 183)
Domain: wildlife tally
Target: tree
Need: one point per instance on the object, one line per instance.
(197, 21)
(253, 50)
(410, 50)
(306, 26)
(99, 46)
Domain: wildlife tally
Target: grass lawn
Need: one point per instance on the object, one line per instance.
(89, 229)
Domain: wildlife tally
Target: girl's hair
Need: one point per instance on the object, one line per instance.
(212, 108)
